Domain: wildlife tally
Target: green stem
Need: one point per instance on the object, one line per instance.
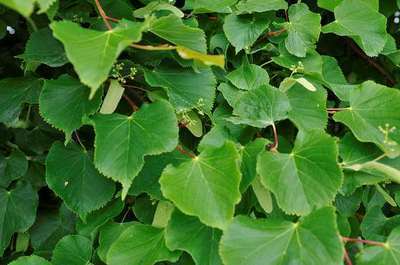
(32, 23)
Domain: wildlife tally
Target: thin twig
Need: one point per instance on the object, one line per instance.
(276, 33)
(347, 257)
(130, 102)
(274, 146)
(391, 81)
(364, 241)
(135, 87)
(78, 139)
(184, 152)
(103, 14)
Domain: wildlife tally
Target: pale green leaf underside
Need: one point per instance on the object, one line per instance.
(70, 173)
(373, 116)
(92, 52)
(211, 179)
(314, 240)
(122, 141)
(307, 178)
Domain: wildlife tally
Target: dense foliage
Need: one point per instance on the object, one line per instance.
(207, 132)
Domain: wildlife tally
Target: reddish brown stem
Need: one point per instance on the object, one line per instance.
(391, 81)
(276, 33)
(112, 19)
(347, 258)
(364, 241)
(135, 87)
(131, 103)
(274, 146)
(103, 14)
(78, 139)
(184, 152)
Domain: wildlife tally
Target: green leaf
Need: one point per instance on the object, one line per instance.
(14, 92)
(243, 31)
(303, 29)
(248, 76)
(111, 100)
(24, 7)
(70, 173)
(263, 195)
(162, 214)
(64, 103)
(354, 152)
(294, 178)
(329, 4)
(308, 109)
(147, 180)
(210, 6)
(261, 107)
(37, 49)
(153, 7)
(12, 167)
(72, 250)
(186, 89)
(172, 29)
(372, 116)
(388, 253)
(18, 211)
(92, 52)
(249, 161)
(259, 6)
(189, 234)
(313, 240)
(211, 179)
(108, 234)
(140, 245)
(98, 218)
(353, 19)
(122, 141)
(30, 260)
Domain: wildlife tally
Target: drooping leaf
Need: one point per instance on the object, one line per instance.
(185, 53)
(14, 92)
(353, 19)
(72, 250)
(313, 240)
(140, 245)
(189, 234)
(172, 29)
(30, 260)
(37, 49)
(259, 6)
(211, 179)
(111, 100)
(373, 116)
(92, 52)
(70, 173)
(294, 178)
(263, 195)
(186, 89)
(242, 31)
(18, 211)
(122, 141)
(64, 103)
(248, 76)
(261, 107)
(303, 29)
